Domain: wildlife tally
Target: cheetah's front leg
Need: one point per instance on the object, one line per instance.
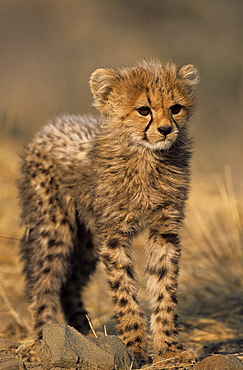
(162, 271)
(117, 257)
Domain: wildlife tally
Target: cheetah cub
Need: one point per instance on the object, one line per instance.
(89, 186)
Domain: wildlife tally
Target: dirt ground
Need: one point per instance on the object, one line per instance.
(211, 281)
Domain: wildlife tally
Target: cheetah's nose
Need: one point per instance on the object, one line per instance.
(165, 130)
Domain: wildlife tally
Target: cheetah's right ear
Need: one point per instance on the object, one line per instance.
(190, 74)
(101, 82)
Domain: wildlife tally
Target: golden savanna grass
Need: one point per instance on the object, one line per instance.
(211, 278)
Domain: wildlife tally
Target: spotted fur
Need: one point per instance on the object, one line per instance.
(89, 186)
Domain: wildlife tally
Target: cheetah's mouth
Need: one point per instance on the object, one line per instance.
(162, 144)
(165, 142)
(157, 143)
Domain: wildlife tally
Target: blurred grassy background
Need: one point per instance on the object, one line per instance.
(49, 48)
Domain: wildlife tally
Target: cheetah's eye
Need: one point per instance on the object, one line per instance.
(144, 111)
(175, 109)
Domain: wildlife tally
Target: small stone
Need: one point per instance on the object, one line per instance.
(219, 362)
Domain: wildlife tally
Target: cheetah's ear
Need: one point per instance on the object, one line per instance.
(190, 74)
(101, 82)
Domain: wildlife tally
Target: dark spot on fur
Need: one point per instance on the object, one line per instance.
(113, 243)
(45, 234)
(107, 93)
(41, 309)
(129, 271)
(174, 261)
(44, 171)
(162, 273)
(168, 333)
(132, 327)
(138, 339)
(52, 243)
(64, 221)
(173, 298)
(171, 238)
(119, 315)
(40, 264)
(52, 257)
(54, 219)
(165, 322)
(52, 200)
(123, 302)
(134, 297)
(107, 259)
(175, 344)
(151, 270)
(115, 285)
(46, 270)
(39, 324)
(157, 310)
(171, 288)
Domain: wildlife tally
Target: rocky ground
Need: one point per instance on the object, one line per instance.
(64, 348)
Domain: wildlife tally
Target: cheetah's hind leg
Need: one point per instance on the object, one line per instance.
(82, 266)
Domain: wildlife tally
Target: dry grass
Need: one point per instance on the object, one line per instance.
(211, 282)
(215, 242)
(212, 264)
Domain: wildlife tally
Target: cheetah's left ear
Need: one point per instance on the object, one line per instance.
(190, 74)
(101, 82)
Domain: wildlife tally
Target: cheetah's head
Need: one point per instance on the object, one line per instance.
(150, 102)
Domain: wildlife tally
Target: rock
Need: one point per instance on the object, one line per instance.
(65, 347)
(123, 357)
(219, 362)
